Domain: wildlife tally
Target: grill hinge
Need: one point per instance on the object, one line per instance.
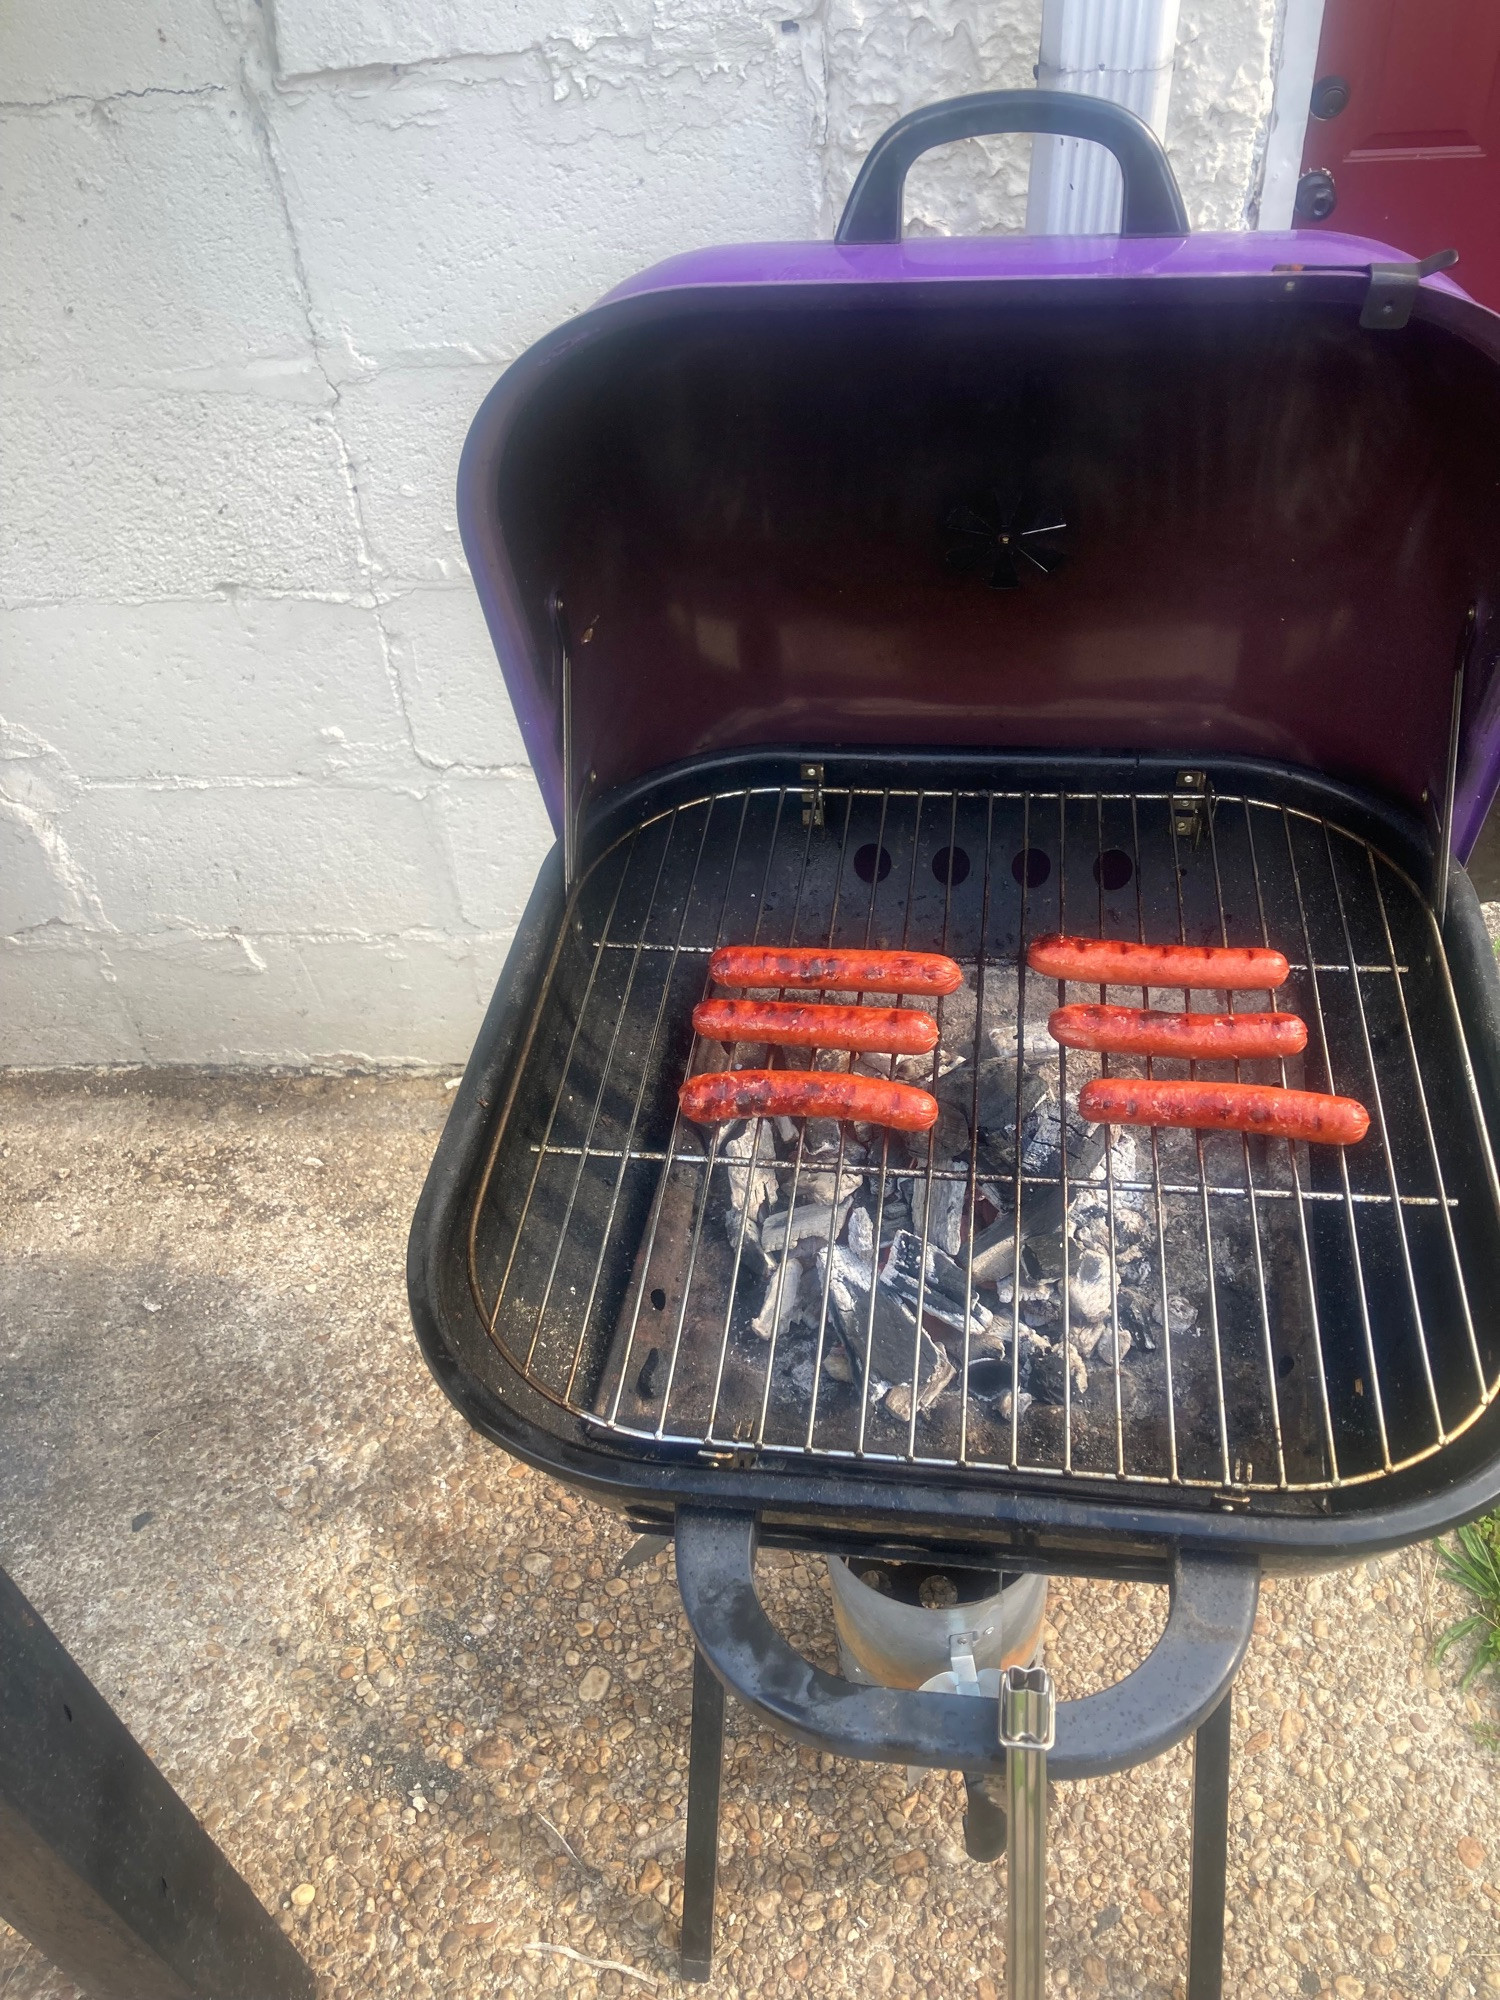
(1191, 805)
(812, 794)
(1393, 289)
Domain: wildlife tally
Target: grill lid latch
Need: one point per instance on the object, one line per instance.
(1393, 289)
(1191, 805)
(812, 795)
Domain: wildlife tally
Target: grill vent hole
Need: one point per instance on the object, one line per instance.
(951, 865)
(872, 863)
(1285, 1365)
(1031, 867)
(1113, 869)
(659, 1299)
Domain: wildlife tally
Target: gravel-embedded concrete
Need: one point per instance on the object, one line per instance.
(405, 1684)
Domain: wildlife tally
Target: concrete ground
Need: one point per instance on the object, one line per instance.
(404, 1682)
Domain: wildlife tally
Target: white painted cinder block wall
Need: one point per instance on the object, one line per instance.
(262, 799)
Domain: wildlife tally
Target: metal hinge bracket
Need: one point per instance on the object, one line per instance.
(1191, 805)
(1393, 289)
(812, 794)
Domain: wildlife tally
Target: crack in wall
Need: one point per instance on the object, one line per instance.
(201, 91)
(257, 103)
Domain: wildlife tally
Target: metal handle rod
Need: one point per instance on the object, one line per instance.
(1450, 770)
(1028, 1723)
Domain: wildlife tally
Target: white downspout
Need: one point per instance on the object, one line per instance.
(1296, 73)
(1119, 49)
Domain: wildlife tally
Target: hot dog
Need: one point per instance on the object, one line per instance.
(892, 1031)
(1116, 962)
(923, 972)
(1138, 1031)
(789, 1093)
(1226, 1107)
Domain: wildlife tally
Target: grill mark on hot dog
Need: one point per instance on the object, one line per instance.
(1141, 1031)
(918, 972)
(896, 1031)
(1118, 962)
(1225, 1107)
(712, 1098)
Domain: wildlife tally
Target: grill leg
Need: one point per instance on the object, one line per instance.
(102, 1866)
(1205, 1980)
(705, 1767)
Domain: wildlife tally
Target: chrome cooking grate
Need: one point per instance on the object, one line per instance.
(1205, 1310)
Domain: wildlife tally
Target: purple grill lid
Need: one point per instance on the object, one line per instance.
(1138, 494)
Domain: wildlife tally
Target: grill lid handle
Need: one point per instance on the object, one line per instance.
(1152, 204)
(1179, 1683)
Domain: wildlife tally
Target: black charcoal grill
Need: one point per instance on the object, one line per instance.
(940, 595)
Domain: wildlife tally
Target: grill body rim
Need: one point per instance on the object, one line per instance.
(867, 1507)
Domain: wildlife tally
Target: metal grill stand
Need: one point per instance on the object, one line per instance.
(1180, 1689)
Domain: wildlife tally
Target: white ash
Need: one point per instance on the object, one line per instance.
(1098, 1342)
(1091, 1285)
(780, 1307)
(1043, 1292)
(798, 1224)
(821, 1185)
(836, 1363)
(1140, 1305)
(860, 1236)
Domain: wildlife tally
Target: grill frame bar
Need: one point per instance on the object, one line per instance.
(507, 1410)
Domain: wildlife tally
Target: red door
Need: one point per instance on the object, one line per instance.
(1404, 140)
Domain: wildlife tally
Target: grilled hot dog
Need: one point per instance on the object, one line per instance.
(1226, 1107)
(1138, 1031)
(789, 1093)
(894, 1031)
(1116, 962)
(922, 972)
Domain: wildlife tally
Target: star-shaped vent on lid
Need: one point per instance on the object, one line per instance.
(1003, 536)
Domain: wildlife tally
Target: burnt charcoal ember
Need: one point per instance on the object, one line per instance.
(862, 1309)
(811, 1221)
(941, 1292)
(1045, 1376)
(748, 1157)
(938, 1207)
(1040, 1368)
(895, 1215)
(780, 1306)
(931, 1384)
(994, 1253)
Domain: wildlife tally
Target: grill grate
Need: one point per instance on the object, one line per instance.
(1191, 1310)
